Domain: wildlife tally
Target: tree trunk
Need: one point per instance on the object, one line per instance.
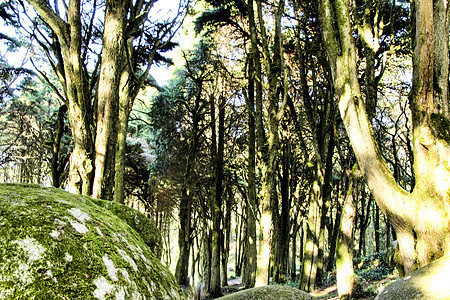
(113, 60)
(281, 235)
(217, 157)
(206, 257)
(184, 228)
(249, 275)
(58, 161)
(420, 218)
(346, 280)
(226, 236)
(184, 239)
(376, 225)
(274, 67)
(311, 250)
(126, 100)
(72, 76)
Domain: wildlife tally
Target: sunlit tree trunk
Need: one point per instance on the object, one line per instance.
(420, 218)
(263, 257)
(345, 276)
(311, 250)
(274, 67)
(72, 76)
(113, 60)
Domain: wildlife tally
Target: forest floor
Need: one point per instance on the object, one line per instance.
(372, 272)
(367, 291)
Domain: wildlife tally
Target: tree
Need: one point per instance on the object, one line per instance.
(99, 98)
(417, 235)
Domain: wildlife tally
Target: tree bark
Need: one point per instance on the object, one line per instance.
(75, 86)
(249, 275)
(421, 216)
(346, 280)
(113, 61)
(217, 160)
(274, 67)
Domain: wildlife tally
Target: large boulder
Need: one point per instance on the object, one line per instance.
(146, 229)
(430, 282)
(56, 245)
(269, 292)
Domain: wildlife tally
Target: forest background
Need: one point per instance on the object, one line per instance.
(292, 136)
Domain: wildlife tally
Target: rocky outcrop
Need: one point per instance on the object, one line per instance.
(430, 282)
(56, 245)
(269, 292)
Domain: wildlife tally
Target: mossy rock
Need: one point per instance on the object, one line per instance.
(56, 245)
(139, 222)
(269, 292)
(428, 283)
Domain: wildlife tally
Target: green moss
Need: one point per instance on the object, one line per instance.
(441, 126)
(139, 222)
(57, 245)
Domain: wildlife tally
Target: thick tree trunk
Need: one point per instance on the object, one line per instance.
(421, 218)
(274, 67)
(113, 60)
(72, 76)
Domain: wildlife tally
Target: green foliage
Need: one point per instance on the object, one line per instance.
(373, 267)
(222, 13)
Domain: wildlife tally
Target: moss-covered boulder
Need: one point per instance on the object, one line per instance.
(55, 245)
(269, 292)
(143, 226)
(430, 282)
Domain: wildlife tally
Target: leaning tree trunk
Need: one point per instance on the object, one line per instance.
(420, 218)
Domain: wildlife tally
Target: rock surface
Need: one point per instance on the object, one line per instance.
(55, 245)
(430, 282)
(269, 292)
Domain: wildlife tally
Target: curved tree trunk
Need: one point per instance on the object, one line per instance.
(421, 218)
